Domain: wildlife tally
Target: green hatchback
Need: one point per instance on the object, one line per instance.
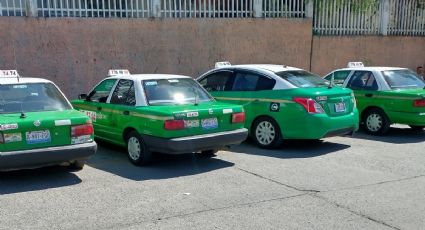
(385, 95)
(283, 102)
(39, 127)
(160, 113)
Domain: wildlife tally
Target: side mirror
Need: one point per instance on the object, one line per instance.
(82, 96)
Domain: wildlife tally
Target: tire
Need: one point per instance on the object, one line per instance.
(266, 133)
(137, 152)
(417, 128)
(376, 122)
(77, 165)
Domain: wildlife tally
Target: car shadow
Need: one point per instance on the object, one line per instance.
(36, 179)
(292, 149)
(113, 159)
(395, 135)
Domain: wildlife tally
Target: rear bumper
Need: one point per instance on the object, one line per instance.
(36, 158)
(195, 143)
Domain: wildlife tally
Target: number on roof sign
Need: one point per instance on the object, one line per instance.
(9, 73)
(355, 64)
(222, 64)
(113, 72)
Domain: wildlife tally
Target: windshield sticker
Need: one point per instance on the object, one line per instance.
(20, 86)
(227, 111)
(149, 83)
(192, 114)
(62, 122)
(191, 123)
(8, 127)
(274, 107)
(12, 137)
(173, 80)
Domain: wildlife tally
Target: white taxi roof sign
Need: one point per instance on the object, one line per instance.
(222, 64)
(9, 73)
(113, 72)
(355, 64)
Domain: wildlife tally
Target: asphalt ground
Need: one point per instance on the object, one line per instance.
(360, 182)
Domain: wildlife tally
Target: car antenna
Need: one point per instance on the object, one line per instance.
(22, 113)
(331, 84)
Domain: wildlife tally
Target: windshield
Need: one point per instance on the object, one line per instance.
(31, 97)
(174, 91)
(401, 79)
(303, 79)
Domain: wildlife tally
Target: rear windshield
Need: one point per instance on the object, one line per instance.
(402, 79)
(303, 79)
(32, 97)
(174, 91)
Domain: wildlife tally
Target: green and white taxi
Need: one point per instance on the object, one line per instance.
(39, 127)
(385, 95)
(283, 102)
(160, 113)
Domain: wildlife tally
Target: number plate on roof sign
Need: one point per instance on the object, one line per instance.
(38, 137)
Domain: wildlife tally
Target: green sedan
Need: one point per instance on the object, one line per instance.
(150, 113)
(385, 95)
(283, 102)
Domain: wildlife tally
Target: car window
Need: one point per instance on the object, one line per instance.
(303, 79)
(31, 97)
(101, 92)
(363, 80)
(174, 91)
(252, 82)
(401, 79)
(339, 76)
(124, 93)
(218, 81)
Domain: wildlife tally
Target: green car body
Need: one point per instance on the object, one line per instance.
(385, 95)
(38, 126)
(275, 100)
(172, 128)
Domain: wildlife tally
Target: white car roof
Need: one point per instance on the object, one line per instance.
(147, 76)
(373, 68)
(267, 67)
(22, 80)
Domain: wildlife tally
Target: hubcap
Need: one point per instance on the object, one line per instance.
(134, 148)
(374, 122)
(265, 133)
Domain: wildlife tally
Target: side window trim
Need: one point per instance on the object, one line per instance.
(232, 72)
(372, 75)
(115, 88)
(260, 75)
(110, 92)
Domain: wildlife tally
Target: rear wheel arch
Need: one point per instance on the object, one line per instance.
(126, 133)
(277, 137)
(367, 109)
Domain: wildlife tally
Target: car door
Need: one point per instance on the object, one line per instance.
(123, 99)
(365, 87)
(97, 108)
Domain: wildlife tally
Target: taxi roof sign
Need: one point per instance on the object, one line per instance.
(222, 64)
(355, 64)
(113, 72)
(9, 73)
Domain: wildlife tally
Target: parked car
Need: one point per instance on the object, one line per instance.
(39, 127)
(283, 102)
(385, 95)
(160, 113)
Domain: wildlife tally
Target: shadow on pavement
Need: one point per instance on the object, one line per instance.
(291, 149)
(396, 135)
(36, 179)
(113, 159)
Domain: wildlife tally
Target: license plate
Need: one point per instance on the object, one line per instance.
(37, 137)
(191, 123)
(340, 107)
(209, 123)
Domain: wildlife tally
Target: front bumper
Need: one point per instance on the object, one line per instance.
(35, 158)
(195, 143)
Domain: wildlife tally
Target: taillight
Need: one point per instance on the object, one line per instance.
(310, 105)
(82, 130)
(238, 117)
(419, 103)
(173, 124)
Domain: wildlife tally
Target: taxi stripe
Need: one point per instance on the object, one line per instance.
(115, 111)
(389, 97)
(254, 99)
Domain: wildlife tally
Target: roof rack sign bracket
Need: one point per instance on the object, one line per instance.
(114, 72)
(222, 64)
(12, 73)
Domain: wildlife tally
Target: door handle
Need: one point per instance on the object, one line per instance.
(368, 95)
(126, 112)
(99, 108)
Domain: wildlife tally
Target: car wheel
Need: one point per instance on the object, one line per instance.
(137, 151)
(376, 122)
(417, 128)
(266, 133)
(77, 165)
